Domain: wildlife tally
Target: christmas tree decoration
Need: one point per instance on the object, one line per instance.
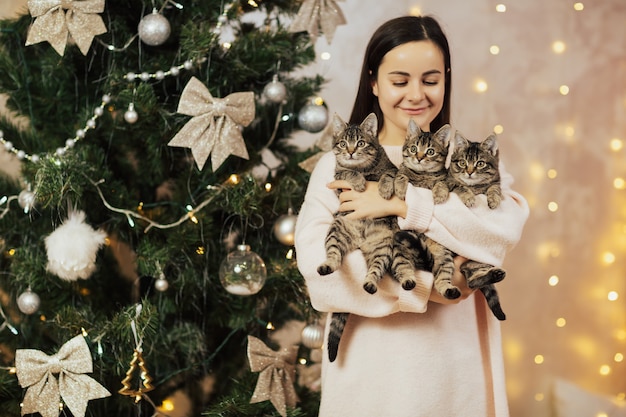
(154, 29)
(144, 380)
(36, 371)
(28, 302)
(277, 372)
(55, 25)
(72, 248)
(316, 14)
(215, 126)
(313, 336)
(161, 284)
(324, 144)
(313, 117)
(275, 91)
(26, 200)
(131, 115)
(243, 272)
(285, 228)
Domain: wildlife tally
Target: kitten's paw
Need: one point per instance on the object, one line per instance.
(493, 202)
(452, 293)
(325, 269)
(408, 285)
(439, 199)
(470, 201)
(370, 287)
(497, 275)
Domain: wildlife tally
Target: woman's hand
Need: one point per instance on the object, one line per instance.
(366, 204)
(458, 279)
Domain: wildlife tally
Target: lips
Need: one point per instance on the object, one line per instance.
(415, 112)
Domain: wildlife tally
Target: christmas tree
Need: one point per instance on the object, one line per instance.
(147, 240)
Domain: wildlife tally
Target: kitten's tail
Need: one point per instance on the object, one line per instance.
(337, 324)
(493, 300)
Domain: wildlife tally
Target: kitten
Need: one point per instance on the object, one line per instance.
(424, 157)
(359, 158)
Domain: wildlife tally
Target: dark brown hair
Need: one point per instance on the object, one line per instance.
(396, 32)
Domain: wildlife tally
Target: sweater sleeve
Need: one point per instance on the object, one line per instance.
(477, 233)
(342, 291)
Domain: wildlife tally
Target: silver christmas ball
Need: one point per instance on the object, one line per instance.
(313, 118)
(161, 285)
(285, 228)
(28, 302)
(26, 200)
(313, 336)
(243, 272)
(131, 115)
(275, 91)
(154, 29)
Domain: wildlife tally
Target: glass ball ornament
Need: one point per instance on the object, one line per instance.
(275, 91)
(28, 302)
(154, 29)
(161, 284)
(26, 200)
(285, 229)
(243, 272)
(131, 115)
(313, 336)
(313, 117)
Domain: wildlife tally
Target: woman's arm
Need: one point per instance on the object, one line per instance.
(342, 291)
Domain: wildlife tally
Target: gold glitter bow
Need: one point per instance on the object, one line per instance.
(314, 14)
(277, 374)
(54, 25)
(36, 370)
(215, 125)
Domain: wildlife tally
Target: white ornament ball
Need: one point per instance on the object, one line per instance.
(131, 115)
(26, 200)
(313, 118)
(28, 302)
(285, 229)
(313, 336)
(161, 285)
(275, 91)
(243, 272)
(154, 29)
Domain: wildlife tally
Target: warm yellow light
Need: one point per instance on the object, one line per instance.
(569, 131)
(318, 101)
(325, 56)
(608, 258)
(270, 326)
(605, 370)
(302, 361)
(616, 144)
(415, 11)
(289, 254)
(602, 414)
(234, 179)
(564, 90)
(552, 174)
(553, 280)
(500, 8)
(553, 206)
(548, 250)
(579, 6)
(558, 47)
(536, 171)
(612, 296)
(619, 357)
(494, 49)
(200, 250)
(538, 359)
(167, 405)
(268, 187)
(561, 322)
(498, 129)
(620, 334)
(480, 86)
(619, 183)
(621, 396)
(539, 396)
(11, 252)
(227, 45)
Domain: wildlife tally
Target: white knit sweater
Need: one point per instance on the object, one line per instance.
(445, 361)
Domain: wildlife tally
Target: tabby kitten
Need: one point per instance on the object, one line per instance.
(359, 158)
(424, 166)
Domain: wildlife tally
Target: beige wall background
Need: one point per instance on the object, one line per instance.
(565, 292)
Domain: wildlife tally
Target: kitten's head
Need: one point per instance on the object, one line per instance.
(425, 151)
(475, 163)
(356, 146)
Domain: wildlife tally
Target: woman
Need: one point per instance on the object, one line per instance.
(401, 355)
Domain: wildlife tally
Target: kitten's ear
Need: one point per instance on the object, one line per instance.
(460, 141)
(370, 124)
(443, 134)
(491, 144)
(338, 124)
(413, 129)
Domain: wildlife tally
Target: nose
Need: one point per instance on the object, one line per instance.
(416, 92)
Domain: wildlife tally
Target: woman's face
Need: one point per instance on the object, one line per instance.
(410, 84)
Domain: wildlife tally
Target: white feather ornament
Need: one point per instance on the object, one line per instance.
(72, 248)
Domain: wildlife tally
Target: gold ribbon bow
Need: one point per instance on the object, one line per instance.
(215, 125)
(324, 144)
(314, 14)
(36, 370)
(54, 25)
(277, 374)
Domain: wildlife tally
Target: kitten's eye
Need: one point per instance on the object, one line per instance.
(342, 144)
(360, 143)
(413, 149)
(461, 164)
(480, 164)
(430, 152)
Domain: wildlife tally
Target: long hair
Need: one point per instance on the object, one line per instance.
(390, 34)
